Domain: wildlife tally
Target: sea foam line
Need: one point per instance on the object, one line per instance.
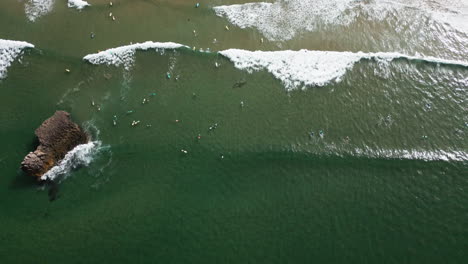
(125, 55)
(9, 51)
(385, 153)
(81, 155)
(305, 68)
(439, 155)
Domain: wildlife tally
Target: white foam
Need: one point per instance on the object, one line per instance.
(303, 68)
(439, 155)
(295, 69)
(284, 19)
(9, 51)
(81, 155)
(125, 55)
(37, 8)
(78, 4)
(451, 12)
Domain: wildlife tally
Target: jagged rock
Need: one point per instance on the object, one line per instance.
(57, 135)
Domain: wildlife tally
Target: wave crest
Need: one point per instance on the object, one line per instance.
(304, 68)
(295, 69)
(125, 55)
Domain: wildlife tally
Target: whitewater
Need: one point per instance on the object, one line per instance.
(80, 156)
(10, 50)
(285, 19)
(304, 68)
(35, 9)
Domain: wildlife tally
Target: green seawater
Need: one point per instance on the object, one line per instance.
(385, 183)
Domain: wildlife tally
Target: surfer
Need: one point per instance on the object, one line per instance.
(239, 84)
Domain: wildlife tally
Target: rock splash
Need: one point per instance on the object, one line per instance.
(57, 136)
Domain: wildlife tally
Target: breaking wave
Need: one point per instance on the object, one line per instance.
(295, 69)
(9, 51)
(304, 68)
(125, 55)
(81, 155)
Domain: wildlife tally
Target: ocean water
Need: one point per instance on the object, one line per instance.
(278, 132)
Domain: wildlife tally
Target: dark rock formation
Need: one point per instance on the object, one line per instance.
(57, 135)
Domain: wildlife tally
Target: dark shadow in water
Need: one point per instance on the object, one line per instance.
(53, 190)
(21, 180)
(239, 84)
(32, 145)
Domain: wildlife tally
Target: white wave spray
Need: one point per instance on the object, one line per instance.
(9, 51)
(81, 155)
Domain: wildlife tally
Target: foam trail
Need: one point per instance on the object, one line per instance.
(9, 51)
(37, 8)
(78, 4)
(439, 155)
(384, 153)
(304, 68)
(81, 155)
(125, 55)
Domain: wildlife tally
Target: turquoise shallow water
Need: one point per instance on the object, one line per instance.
(386, 183)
